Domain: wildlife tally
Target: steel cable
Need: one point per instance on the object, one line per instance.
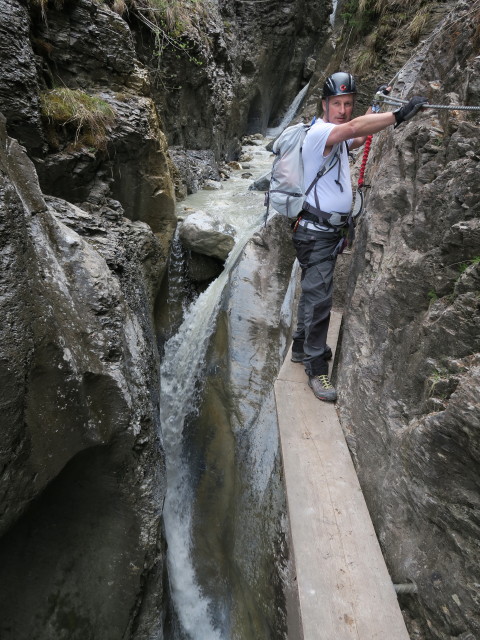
(398, 102)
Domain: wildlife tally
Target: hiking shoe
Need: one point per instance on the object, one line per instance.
(322, 388)
(298, 356)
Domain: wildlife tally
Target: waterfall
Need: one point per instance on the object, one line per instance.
(333, 15)
(289, 115)
(182, 365)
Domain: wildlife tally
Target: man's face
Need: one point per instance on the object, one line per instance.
(339, 108)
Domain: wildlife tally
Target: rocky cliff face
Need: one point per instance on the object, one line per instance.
(409, 375)
(87, 210)
(82, 470)
(240, 76)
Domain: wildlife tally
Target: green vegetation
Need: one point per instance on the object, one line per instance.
(432, 296)
(374, 25)
(364, 61)
(360, 15)
(463, 266)
(172, 23)
(439, 382)
(88, 117)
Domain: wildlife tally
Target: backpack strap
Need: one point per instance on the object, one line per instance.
(325, 168)
(330, 219)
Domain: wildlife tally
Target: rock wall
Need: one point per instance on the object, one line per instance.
(409, 370)
(86, 47)
(246, 64)
(82, 470)
(240, 527)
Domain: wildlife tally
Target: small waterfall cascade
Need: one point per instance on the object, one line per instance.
(182, 364)
(333, 15)
(178, 297)
(289, 115)
(183, 361)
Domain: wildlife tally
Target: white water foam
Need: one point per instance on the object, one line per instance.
(182, 364)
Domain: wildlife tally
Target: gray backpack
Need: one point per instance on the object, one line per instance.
(287, 193)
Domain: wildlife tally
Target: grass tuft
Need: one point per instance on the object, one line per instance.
(90, 117)
(418, 24)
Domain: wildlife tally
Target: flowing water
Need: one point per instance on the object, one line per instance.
(289, 115)
(333, 15)
(182, 365)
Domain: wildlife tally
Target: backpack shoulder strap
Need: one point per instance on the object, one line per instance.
(325, 168)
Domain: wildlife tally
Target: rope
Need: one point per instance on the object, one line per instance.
(366, 151)
(409, 587)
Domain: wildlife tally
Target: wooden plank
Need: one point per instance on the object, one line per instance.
(344, 588)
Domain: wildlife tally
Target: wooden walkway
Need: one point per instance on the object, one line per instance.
(344, 589)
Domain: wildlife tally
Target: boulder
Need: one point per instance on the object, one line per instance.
(212, 185)
(262, 183)
(236, 431)
(206, 234)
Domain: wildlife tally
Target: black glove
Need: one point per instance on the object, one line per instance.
(409, 110)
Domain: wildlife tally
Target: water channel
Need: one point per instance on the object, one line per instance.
(182, 366)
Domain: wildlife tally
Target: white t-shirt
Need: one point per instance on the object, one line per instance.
(330, 196)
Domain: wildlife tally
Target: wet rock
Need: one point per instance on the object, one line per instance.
(88, 40)
(205, 234)
(82, 482)
(262, 183)
(203, 268)
(193, 169)
(212, 185)
(236, 437)
(19, 86)
(21, 172)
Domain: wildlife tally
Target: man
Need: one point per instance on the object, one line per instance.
(320, 227)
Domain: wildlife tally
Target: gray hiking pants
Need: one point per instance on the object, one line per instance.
(315, 302)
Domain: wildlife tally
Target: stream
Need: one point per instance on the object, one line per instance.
(182, 366)
(184, 357)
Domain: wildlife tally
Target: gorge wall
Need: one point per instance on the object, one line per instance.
(408, 376)
(87, 210)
